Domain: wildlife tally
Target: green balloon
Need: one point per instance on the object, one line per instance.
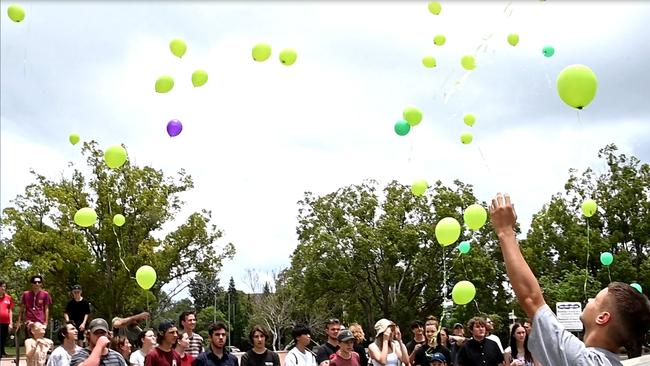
(85, 217)
(513, 39)
(402, 127)
(146, 277)
(447, 231)
(115, 156)
(412, 115)
(577, 85)
(589, 207)
(74, 138)
(288, 56)
(637, 287)
(464, 247)
(178, 47)
(468, 62)
(16, 13)
(435, 7)
(199, 78)
(419, 187)
(429, 61)
(548, 51)
(261, 52)
(469, 119)
(606, 258)
(119, 220)
(466, 138)
(439, 40)
(164, 84)
(475, 216)
(463, 292)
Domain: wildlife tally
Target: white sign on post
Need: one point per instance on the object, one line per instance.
(568, 314)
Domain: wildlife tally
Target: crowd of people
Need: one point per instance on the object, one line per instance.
(618, 315)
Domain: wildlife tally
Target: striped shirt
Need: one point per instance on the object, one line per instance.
(111, 359)
(196, 345)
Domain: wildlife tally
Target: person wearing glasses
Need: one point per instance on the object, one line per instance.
(34, 305)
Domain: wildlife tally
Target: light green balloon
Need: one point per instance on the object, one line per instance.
(469, 119)
(146, 277)
(119, 220)
(606, 258)
(199, 78)
(85, 217)
(475, 216)
(589, 207)
(412, 115)
(439, 40)
(463, 292)
(164, 84)
(402, 127)
(466, 138)
(464, 247)
(178, 47)
(577, 85)
(115, 156)
(74, 138)
(435, 7)
(468, 62)
(261, 52)
(637, 287)
(447, 231)
(419, 187)
(16, 13)
(429, 61)
(513, 39)
(288, 56)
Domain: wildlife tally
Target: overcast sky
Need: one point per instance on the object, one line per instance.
(258, 135)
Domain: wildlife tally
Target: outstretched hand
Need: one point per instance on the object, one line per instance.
(502, 214)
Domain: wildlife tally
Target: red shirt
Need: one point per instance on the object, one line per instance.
(337, 360)
(6, 304)
(158, 357)
(187, 359)
(35, 305)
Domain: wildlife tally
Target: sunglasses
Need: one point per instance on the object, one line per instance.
(36, 282)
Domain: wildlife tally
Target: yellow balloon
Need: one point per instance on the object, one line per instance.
(469, 119)
(412, 115)
(447, 231)
(513, 39)
(577, 85)
(261, 52)
(419, 187)
(589, 207)
(74, 138)
(475, 216)
(429, 61)
(439, 40)
(85, 217)
(466, 138)
(16, 13)
(178, 47)
(435, 7)
(115, 156)
(119, 220)
(288, 56)
(145, 276)
(164, 84)
(468, 62)
(199, 78)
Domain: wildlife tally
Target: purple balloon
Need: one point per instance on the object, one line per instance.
(174, 127)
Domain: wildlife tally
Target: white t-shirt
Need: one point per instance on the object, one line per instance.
(297, 358)
(137, 358)
(551, 344)
(497, 340)
(61, 357)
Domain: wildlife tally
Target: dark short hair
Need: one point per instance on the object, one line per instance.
(217, 326)
(476, 320)
(257, 328)
(183, 316)
(332, 321)
(143, 334)
(417, 324)
(62, 331)
(298, 330)
(2, 282)
(31, 279)
(633, 310)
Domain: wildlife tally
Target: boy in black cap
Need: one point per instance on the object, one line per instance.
(437, 359)
(77, 310)
(164, 354)
(98, 352)
(345, 356)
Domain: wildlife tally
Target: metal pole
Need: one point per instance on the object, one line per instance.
(214, 315)
(230, 327)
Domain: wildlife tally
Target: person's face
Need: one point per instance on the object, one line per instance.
(333, 330)
(218, 338)
(38, 330)
(443, 336)
(126, 347)
(76, 294)
(259, 340)
(520, 334)
(347, 346)
(417, 331)
(478, 331)
(459, 332)
(190, 322)
(184, 341)
(357, 332)
(304, 340)
(528, 327)
(438, 363)
(430, 332)
(3, 289)
(592, 309)
(94, 336)
(489, 325)
(37, 283)
(171, 335)
(71, 332)
(149, 338)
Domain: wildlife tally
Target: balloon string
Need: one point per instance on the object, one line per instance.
(146, 294)
(609, 274)
(584, 289)
(117, 237)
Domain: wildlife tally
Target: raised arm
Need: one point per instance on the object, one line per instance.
(522, 279)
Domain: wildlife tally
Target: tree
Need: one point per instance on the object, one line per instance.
(205, 290)
(41, 237)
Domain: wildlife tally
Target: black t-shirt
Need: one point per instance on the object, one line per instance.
(484, 353)
(410, 346)
(421, 355)
(324, 351)
(363, 356)
(76, 310)
(268, 358)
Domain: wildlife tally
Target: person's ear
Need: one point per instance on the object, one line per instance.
(603, 318)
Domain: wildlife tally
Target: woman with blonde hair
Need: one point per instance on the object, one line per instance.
(388, 348)
(359, 339)
(37, 347)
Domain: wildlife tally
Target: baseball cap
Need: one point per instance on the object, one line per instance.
(98, 324)
(458, 325)
(344, 336)
(437, 357)
(164, 326)
(76, 288)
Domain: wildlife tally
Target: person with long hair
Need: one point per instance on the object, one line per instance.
(359, 339)
(121, 345)
(517, 354)
(388, 348)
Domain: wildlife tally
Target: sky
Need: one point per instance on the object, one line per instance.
(260, 134)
